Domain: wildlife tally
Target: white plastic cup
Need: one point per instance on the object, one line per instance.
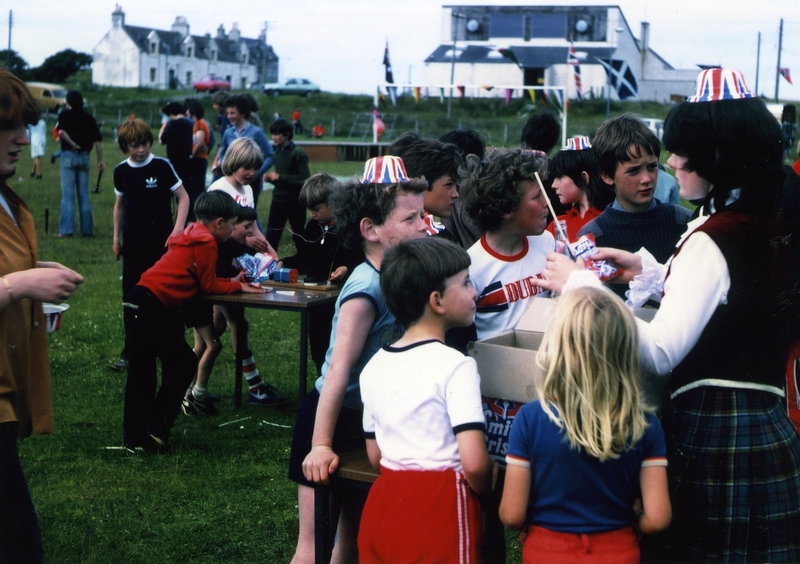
(53, 313)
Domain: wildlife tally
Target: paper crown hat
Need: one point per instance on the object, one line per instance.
(384, 170)
(578, 143)
(714, 85)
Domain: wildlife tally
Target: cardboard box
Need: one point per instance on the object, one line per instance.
(507, 361)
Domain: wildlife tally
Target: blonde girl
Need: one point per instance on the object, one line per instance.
(580, 459)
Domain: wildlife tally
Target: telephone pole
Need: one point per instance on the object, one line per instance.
(778, 68)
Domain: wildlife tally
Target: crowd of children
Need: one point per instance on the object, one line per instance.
(588, 468)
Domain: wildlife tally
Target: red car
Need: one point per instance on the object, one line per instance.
(211, 83)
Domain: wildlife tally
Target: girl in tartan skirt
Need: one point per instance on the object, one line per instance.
(734, 456)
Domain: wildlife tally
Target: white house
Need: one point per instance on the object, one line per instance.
(139, 56)
(539, 38)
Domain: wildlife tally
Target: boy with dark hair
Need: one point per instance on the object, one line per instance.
(144, 185)
(157, 331)
(321, 257)
(627, 154)
(291, 171)
(437, 163)
(469, 142)
(540, 133)
(425, 501)
(502, 196)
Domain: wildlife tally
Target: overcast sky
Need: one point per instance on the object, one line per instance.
(339, 44)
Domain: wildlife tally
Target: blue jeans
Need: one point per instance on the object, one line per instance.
(75, 176)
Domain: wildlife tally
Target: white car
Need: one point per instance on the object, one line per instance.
(297, 86)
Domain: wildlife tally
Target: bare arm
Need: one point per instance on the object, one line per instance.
(64, 136)
(655, 500)
(199, 142)
(356, 317)
(101, 166)
(50, 282)
(117, 244)
(516, 491)
(475, 460)
(374, 453)
(183, 210)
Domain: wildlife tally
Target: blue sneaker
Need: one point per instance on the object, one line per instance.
(266, 395)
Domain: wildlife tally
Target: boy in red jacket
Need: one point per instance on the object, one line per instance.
(187, 268)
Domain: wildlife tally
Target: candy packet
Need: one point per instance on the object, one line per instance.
(585, 248)
(257, 268)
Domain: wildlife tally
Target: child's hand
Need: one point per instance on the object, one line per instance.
(339, 274)
(555, 276)
(248, 289)
(271, 176)
(319, 464)
(117, 249)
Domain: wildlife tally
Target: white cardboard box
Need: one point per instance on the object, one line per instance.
(507, 361)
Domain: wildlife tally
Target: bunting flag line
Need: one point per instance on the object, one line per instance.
(785, 74)
(441, 95)
(532, 94)
(508, 54)
(461, 90)
(621, 77)
(416, 90)
(572, 59)
(487, 87)
(508, 96)
(392, 90)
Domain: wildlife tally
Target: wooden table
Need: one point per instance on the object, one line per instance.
(295, 299)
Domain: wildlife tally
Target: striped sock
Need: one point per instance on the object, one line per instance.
(250, 372)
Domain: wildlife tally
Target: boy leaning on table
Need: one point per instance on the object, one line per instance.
(188, 268)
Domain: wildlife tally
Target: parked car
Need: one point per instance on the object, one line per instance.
(51, 97)
(297, 86)
(656, 126)
(211, 83)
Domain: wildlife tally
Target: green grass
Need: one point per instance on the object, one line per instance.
(222, 495)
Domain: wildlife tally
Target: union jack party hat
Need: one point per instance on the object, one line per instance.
(384, 170)
(578, 143)
(714, 85)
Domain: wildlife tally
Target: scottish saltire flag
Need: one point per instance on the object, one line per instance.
(384, 170)
(572, 59)
(621, 77)
(785, 74)
(392, 90)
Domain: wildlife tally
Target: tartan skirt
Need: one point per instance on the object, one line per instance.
(734, 468)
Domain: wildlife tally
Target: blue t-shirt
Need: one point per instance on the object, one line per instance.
(572, 492)
(363, 283)
(249, 131)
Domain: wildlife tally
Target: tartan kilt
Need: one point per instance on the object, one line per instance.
(734, 469)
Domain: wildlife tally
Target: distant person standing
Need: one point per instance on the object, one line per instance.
(38, 135)
(77, 130)
(291, 171)
(298, 125)
(201, 145)
(176, 133)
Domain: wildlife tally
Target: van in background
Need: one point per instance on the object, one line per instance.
(51, 97)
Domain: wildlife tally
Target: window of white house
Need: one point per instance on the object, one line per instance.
(213, 55)
(507, 25)
(153, 47)
(188, 52)
(153, 74)
(549, 25)
(188, 77)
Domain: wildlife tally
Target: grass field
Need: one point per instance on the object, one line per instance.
(222, 495)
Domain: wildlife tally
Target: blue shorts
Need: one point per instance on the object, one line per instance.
(347, 436)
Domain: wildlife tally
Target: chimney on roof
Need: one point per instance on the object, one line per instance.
(118, 17)
(181, 26)
(235, 34)
(262, 37)
(645, 46)
(221, 32)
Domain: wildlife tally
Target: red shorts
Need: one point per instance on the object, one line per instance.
(792, 378)
(416, 516)
(613, 547)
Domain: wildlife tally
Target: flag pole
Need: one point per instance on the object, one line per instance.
(778, 68)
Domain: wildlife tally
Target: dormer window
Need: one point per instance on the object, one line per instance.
(244, 59)
(213, 55)
(188, 52)
(153, 48)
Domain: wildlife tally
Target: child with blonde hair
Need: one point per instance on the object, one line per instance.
(581, 457)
